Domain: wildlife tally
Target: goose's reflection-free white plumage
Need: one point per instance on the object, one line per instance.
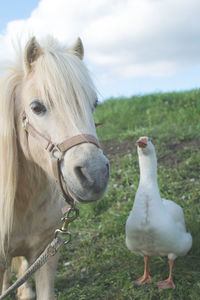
(155, 226)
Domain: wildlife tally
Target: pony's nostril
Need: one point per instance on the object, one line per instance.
(108, 168)
(83, 176)
(92, 179)
(79, 173)
(106, 172)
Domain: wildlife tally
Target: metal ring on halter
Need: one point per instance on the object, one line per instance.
(55, 150)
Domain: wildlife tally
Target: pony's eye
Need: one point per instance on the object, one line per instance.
(37, 107)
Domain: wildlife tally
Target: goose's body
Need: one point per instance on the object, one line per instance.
(155, 226)
(157, 229)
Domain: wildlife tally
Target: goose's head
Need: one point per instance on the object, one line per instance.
(145, 146)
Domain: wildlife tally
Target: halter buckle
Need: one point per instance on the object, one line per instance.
(54, 151)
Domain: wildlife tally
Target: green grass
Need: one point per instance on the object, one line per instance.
(101, 267)
(161, 116)
(99, 264)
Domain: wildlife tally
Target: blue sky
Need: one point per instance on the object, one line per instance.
(11, 10)
(183, 80)
(132, 47)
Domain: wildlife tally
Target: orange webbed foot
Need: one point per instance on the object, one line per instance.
(166, 284)
(144, 279)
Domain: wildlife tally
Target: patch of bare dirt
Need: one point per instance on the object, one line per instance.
(114, 149)
(173, 158)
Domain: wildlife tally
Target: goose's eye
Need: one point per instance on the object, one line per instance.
(37, 107)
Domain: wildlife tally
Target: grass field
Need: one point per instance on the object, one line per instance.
(97, 264)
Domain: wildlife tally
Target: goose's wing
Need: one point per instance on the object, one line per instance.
(176, 213)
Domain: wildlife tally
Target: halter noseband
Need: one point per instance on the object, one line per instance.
(60, 148)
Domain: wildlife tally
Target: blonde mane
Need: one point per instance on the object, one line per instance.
(8, 151)
(62, 81)
(72, 91)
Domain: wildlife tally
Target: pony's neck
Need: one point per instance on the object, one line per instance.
(31, 181)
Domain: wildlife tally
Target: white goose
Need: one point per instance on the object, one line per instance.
(155, 226)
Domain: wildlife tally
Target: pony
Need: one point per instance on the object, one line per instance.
(50, 85)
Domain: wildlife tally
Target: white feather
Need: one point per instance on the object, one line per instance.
(155, 226)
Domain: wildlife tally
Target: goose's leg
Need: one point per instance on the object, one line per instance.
(169, 283)
(146, 277)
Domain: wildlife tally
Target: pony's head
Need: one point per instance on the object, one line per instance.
(52, 87)
(58, 98)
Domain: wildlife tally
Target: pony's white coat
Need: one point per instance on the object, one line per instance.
(29, 201)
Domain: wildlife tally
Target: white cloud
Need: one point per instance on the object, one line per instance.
(122, 38)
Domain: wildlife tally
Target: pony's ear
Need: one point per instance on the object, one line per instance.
(77, 48)
(32, 52)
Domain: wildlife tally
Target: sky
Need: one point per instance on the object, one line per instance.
(132, 47)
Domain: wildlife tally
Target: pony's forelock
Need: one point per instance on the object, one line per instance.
(63, 81)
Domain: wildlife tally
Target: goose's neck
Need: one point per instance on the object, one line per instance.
(148, 169)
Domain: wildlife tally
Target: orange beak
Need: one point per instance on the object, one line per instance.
(142, 142)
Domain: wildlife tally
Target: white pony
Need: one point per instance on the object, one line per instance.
(51, 86)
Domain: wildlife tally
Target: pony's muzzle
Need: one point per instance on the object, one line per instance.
(86, 175)
(95, 179)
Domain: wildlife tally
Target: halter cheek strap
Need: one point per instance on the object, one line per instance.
(57, 151)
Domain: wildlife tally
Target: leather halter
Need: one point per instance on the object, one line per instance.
(60, 149)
